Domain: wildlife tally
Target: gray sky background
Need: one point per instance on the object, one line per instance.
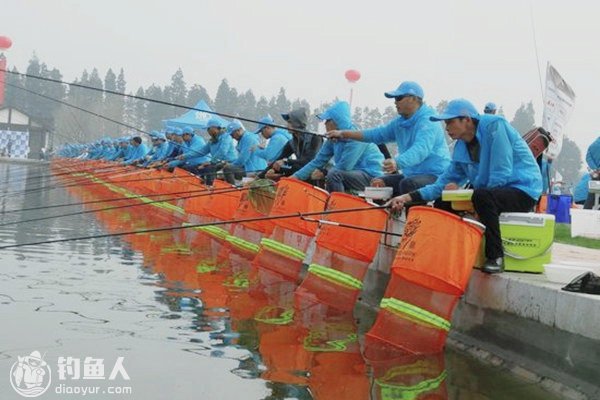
(483, 51)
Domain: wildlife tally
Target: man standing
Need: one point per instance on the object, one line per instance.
(247, 161)
(592, 158)
(356, 163)
(422, 150)
(498, 163)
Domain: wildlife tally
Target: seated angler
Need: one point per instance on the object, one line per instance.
(492, 156)
(138, 152)
(422, 150)
(277, 138)
(122, 149)
(247, 161)
(303, 145)
(355, 163)
(220, 147)
(190, 152)
(160, 149)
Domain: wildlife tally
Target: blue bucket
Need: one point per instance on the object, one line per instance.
(559, 206)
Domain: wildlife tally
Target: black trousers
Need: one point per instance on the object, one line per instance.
(489, 204)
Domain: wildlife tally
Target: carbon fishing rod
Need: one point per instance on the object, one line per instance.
(193, 226)
(91, 112)
(145, 203)
(166, 103)
(107, 200)
(84, 181)
(349, 226)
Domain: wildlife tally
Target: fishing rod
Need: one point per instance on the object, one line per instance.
(349, 226)
(84, 181)
(166, 103)
(193, 226)
(179, 145)
(52, 175)
(223, 191)
(108, 200)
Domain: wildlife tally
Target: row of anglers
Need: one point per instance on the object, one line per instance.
(489, 155)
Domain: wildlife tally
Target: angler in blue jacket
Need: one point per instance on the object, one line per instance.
(247, 162)
(355, 163)
(592, 158)
(138, 152)
(160, 149)
(277, 138)
(190, 156)
(423, 154)
(492, 156)
(220, 147)
(119, 154)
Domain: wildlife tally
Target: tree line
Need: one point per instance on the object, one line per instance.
(71, 125)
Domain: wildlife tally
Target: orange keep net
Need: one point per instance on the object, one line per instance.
(224, 202)
(294, 196)
(247, 210)
(438, 250)
(354, 243)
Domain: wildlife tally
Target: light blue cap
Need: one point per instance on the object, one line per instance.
(188, 129)
(457, 108)
(170, 129)
(216, 122)
(178, 131)
(234, 126)
(490, 106)
(160, 135)
(407, 88)
(263, 122)
(153, 134)
(334, 110)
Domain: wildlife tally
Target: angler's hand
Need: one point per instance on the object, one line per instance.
(334, 134)
(179, 157)
(277, 165)
(397, 203)
(271, 174)
(389, 166)
(317, 175)
(451, 186)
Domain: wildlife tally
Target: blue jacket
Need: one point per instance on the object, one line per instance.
(347, 155)
(137, 153)
(422, 148)
(191, 150)
(592, 157)
(580, 193)
(119, 153)
(160, 152)
(221, 149)
(505, 160)
(247, 159)
(271, 153)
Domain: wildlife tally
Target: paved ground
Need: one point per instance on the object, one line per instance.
(564, 253)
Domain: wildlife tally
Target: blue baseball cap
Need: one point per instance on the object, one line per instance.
(234, 126)
(407, 88)
(490, 107)
(457, 108)
(170, 129)
(160, 135)
(188, 129)
(216, 122)
(264, 122)
(178, 131)
(153, 134)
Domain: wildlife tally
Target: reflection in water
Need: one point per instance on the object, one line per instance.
(186, 307)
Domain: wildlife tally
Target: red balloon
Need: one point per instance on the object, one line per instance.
(5, 43)
(352, 75)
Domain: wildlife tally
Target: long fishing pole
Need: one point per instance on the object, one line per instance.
(166, 103)
(212, 193)
(107, 200)
(193, 226)
(349, 226)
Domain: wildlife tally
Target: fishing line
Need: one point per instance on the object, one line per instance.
(192, 226)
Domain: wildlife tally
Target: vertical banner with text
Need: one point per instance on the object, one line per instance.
(559, 101)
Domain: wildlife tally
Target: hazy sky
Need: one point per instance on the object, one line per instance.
(483, 51)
